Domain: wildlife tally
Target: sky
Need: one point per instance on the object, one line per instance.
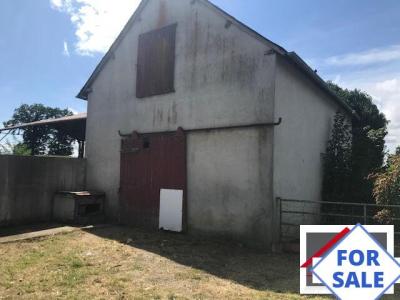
(49, 48)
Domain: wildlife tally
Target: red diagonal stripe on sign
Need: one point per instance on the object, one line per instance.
(326, 247)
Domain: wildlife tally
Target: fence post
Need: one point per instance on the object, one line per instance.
(279, 204)
(365, 214)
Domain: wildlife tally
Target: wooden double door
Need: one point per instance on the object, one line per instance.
(149, 163)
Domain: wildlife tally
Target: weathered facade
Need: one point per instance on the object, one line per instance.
(229, 88)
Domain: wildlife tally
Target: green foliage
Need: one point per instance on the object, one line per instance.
(369, 129)
(387, 182)
(337, 162)
(21, 149)
(387, 188)
(14, 147)
(41, 140)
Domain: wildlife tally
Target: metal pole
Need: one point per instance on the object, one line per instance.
(5, 135)
(365, 214)
(279, 201)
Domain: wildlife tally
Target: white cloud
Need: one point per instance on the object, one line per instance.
(56, 3)
(372, 56)
(389, 86)
(97, 22)
(66, 49)
(337, 79)
(74, 111)
(389, 98)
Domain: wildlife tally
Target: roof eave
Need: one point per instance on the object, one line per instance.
(84, 92)
(305, 68)
(74, 118)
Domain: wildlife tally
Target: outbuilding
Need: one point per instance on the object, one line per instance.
(188, 100)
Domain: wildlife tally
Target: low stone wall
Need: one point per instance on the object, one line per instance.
(27, 186)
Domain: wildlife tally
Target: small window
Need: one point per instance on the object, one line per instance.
(156, 62)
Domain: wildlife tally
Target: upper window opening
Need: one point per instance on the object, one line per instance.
(156, 62)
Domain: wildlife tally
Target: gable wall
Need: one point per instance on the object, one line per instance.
(222, 77)
(215, 68)
(301, 139)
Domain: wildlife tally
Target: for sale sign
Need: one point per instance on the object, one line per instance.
(353, 264)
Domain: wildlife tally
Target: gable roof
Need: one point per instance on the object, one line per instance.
(74, 125)
(292, 57)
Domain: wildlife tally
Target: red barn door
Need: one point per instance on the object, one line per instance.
(150, 162)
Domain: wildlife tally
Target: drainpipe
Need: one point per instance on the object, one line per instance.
(209, 128)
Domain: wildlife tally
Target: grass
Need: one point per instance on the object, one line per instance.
(123, 263)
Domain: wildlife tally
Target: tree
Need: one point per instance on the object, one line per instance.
(369, 128)
(41, 140)
(14, 147)
(387, 182)
(387, 188)
(19, 149)
(337, 162)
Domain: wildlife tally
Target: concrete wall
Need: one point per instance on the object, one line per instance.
(223, 77)
(230, 184)
(301, 139)
(27, 185)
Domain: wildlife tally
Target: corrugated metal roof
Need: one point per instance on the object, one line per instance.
(74, 118)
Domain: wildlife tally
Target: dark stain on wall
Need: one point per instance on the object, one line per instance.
(214, 57)
(162, 14)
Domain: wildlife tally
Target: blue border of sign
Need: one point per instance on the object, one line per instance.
(337, 245)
